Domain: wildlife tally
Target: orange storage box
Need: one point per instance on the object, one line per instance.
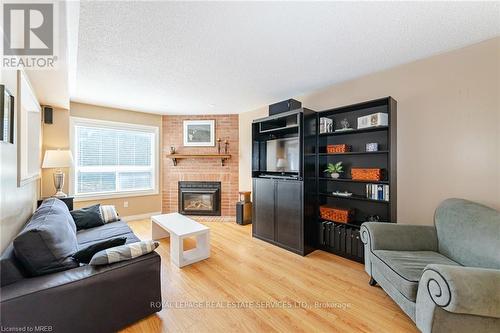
(342, 148)
(366, 174)
(340, 215)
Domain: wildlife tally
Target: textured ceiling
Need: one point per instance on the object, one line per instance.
(52, 86)
(202, 57)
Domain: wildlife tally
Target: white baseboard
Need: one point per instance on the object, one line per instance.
(139, 217)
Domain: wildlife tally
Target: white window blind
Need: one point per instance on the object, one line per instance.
(113, 158)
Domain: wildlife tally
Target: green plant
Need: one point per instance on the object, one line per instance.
(334, 168)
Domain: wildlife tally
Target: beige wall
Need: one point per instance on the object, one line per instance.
(56, 135)
(112, 114)
(448, 127)
(16, 203)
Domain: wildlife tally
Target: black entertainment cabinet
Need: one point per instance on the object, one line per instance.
(282, 214)
(286, 209)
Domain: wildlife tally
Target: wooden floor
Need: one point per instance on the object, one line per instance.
(248, 285)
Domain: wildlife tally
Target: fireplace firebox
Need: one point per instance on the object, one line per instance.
(199, 198)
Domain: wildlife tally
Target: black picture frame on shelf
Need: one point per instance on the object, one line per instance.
(6, 115)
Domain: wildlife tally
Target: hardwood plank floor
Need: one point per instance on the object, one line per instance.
(248, 285)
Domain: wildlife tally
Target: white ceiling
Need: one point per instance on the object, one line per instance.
(221, 57)
(52, 86)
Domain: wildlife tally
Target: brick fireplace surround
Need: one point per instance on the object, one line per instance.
(226, 128)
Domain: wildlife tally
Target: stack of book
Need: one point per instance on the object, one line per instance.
(325, 125)
(377, 192)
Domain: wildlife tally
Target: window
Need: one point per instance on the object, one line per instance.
(113, 158)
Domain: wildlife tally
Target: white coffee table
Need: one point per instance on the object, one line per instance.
(179, 227)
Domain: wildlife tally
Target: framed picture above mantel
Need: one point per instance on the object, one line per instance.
(199, 133)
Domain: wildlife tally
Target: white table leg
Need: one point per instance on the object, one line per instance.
(176, 250)
(157, 232)
(203, 245)
(200, 252)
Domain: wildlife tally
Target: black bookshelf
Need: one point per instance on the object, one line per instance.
(339, 238)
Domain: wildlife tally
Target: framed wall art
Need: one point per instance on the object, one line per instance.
(6, 115)
(199, 133)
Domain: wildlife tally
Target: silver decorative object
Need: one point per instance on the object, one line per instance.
(373, 218)
(345, 124)
(372, 146)
(59, 184)
(57, 159)
(342, 194)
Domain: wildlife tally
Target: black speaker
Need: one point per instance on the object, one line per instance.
(47, 114)
(243, 212)
(288, 105)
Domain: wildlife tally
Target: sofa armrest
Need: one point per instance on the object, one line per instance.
(462, 290)
(399, 237)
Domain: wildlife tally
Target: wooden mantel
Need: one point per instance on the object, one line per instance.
(175, 157)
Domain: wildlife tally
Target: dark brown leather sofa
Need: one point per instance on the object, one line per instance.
(81, 299)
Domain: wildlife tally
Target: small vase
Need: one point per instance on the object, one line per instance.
(335, 175)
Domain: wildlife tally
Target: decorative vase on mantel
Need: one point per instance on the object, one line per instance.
(335, 175)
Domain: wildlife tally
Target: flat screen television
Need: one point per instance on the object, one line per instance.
(282, 155)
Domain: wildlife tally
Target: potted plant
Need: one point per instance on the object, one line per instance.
(334, 169)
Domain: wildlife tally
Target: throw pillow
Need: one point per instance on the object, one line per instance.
(124, 252)
(84, 255)
(109, 214)
(88, 217)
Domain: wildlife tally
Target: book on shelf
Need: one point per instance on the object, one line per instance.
(325, 125)
(377, 192)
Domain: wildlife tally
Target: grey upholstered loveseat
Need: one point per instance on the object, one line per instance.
(446, 277)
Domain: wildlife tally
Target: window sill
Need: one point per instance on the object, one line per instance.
(104, 196)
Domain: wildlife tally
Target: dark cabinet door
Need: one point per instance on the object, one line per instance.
(288, 214)
(263, 208)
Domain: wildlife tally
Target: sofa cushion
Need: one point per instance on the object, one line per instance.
(109, 213)
(403, 269)
(83, 256)
(468, 233)
(95, 235)
(48, 240)
(123, 253)
(88, 217)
